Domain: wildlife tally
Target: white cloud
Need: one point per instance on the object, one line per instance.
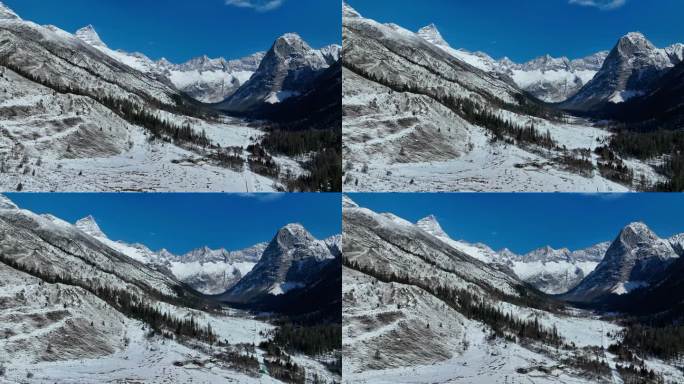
(605, 5)
(258, 5)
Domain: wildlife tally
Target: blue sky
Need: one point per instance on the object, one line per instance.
(180, 30)
(182, 222)
(523, 222)
(524, 29)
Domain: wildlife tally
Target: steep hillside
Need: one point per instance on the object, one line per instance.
(459, 320)
(419, 117)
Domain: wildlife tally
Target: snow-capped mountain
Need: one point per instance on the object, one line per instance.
(209, 271)
(553, 79)
(215, 271)
(211, 80)
(288, 67)
(89, 35)
(634, 260)
(72, 121)
(548, 78)
(552, 271)
(479, 251)
(402, 283)
(291, 260)
(73, 307)
(630, 69)
(664, 103)
(556, 271)
(204, 79)
(419, 116)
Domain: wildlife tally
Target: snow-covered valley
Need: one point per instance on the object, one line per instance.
(77, 115)
(78, 307)
(420, 307)
(422, 116)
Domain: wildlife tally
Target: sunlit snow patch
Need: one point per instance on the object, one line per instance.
(622, 96)
(277, 97)
(280, 289)
(629, 286)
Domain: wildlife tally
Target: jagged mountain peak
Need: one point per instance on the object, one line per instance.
(7, 13)
(89, 35)
(635, 38)
(290, 43)
(206, 254)
(292, 234)
(166, 254)
(5, 202)
(89, 225)
(634, 43)
(164, 62)
(291, 260)
(205, 61)
(634, 259)
(431, 34)
(431, 225)
(635, 233)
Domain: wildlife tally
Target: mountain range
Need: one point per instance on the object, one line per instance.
(421, 115)
(454, 304)
(76, 303)
(215, 80)
(123, 122)
(219, 271)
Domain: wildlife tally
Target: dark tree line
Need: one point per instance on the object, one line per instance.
(473, 307)
(325, 173)
(665, 342)
(648, 145)
(126, 303)
(286, 370)
(261, 162)
(248, 364)
(310, 340)
(295, 143)
(612, 167)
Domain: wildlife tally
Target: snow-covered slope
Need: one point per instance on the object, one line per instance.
(287, 68)
(291, 260)
(635, 259)
(416, 118)
(400, 324)
(629, 70)
(70, 118)
(55, 247)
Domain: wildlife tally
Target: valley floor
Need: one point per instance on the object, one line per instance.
(425, 341)
(144, 166)
(492, 167)
(408, 142)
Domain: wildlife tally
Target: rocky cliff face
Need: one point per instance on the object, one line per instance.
(633, 260)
